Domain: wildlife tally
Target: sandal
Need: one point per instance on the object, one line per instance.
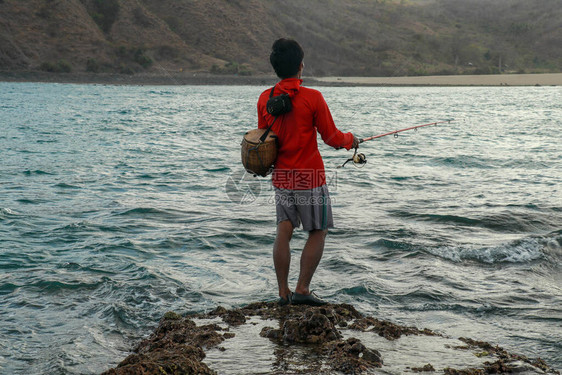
(285, 301)
(312, 299)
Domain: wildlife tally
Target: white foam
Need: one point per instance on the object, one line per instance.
(521, 251)
(7, 211)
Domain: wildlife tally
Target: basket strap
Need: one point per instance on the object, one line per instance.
(264, 135)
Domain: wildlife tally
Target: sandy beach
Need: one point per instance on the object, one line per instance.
(547, 79)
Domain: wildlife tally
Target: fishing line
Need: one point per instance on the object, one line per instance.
(359, 159)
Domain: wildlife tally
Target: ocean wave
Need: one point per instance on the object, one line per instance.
(30, 201)
(64, 185)
(6, 212)
(29, 172)
(507, 221)
(161, 92)
(54, 286)
(392, 244)
(438, 218)
(85, 227)
(553, 245)
(7, 288)
(465, 161)
(525, 250)
(150, 211)
(218, 169)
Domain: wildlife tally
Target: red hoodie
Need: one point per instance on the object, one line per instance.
(299, 165)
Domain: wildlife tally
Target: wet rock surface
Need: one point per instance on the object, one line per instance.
(426, 368)
(178, 345)
(501, 362)
(313, 327)
(388, 330)
(231, 317)
(352, 357)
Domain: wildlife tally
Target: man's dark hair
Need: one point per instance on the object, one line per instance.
(286, 57)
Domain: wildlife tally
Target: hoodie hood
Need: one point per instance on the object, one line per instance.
(289, 86)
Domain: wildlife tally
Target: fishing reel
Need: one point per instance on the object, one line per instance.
(358, 159)
(361, 160)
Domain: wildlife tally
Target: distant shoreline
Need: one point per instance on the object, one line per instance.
(545, 79)
(165, 79)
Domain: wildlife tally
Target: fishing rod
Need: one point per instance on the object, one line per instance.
(361, 159)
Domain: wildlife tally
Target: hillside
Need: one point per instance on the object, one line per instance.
(346, 37)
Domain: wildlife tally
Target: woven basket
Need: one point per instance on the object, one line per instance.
(258, 158)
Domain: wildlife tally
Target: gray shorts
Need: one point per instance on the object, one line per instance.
(311, 207)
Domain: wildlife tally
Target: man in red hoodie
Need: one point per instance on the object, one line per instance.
(299, 179)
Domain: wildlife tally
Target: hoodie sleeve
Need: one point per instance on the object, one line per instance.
(327, 128)
(262, 122)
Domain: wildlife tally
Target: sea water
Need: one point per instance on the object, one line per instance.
(119, 203)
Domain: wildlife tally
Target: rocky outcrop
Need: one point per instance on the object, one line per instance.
(176, 347)
(179, 344)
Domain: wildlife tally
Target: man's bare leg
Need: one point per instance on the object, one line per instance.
(282, 256)
(310, 258)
